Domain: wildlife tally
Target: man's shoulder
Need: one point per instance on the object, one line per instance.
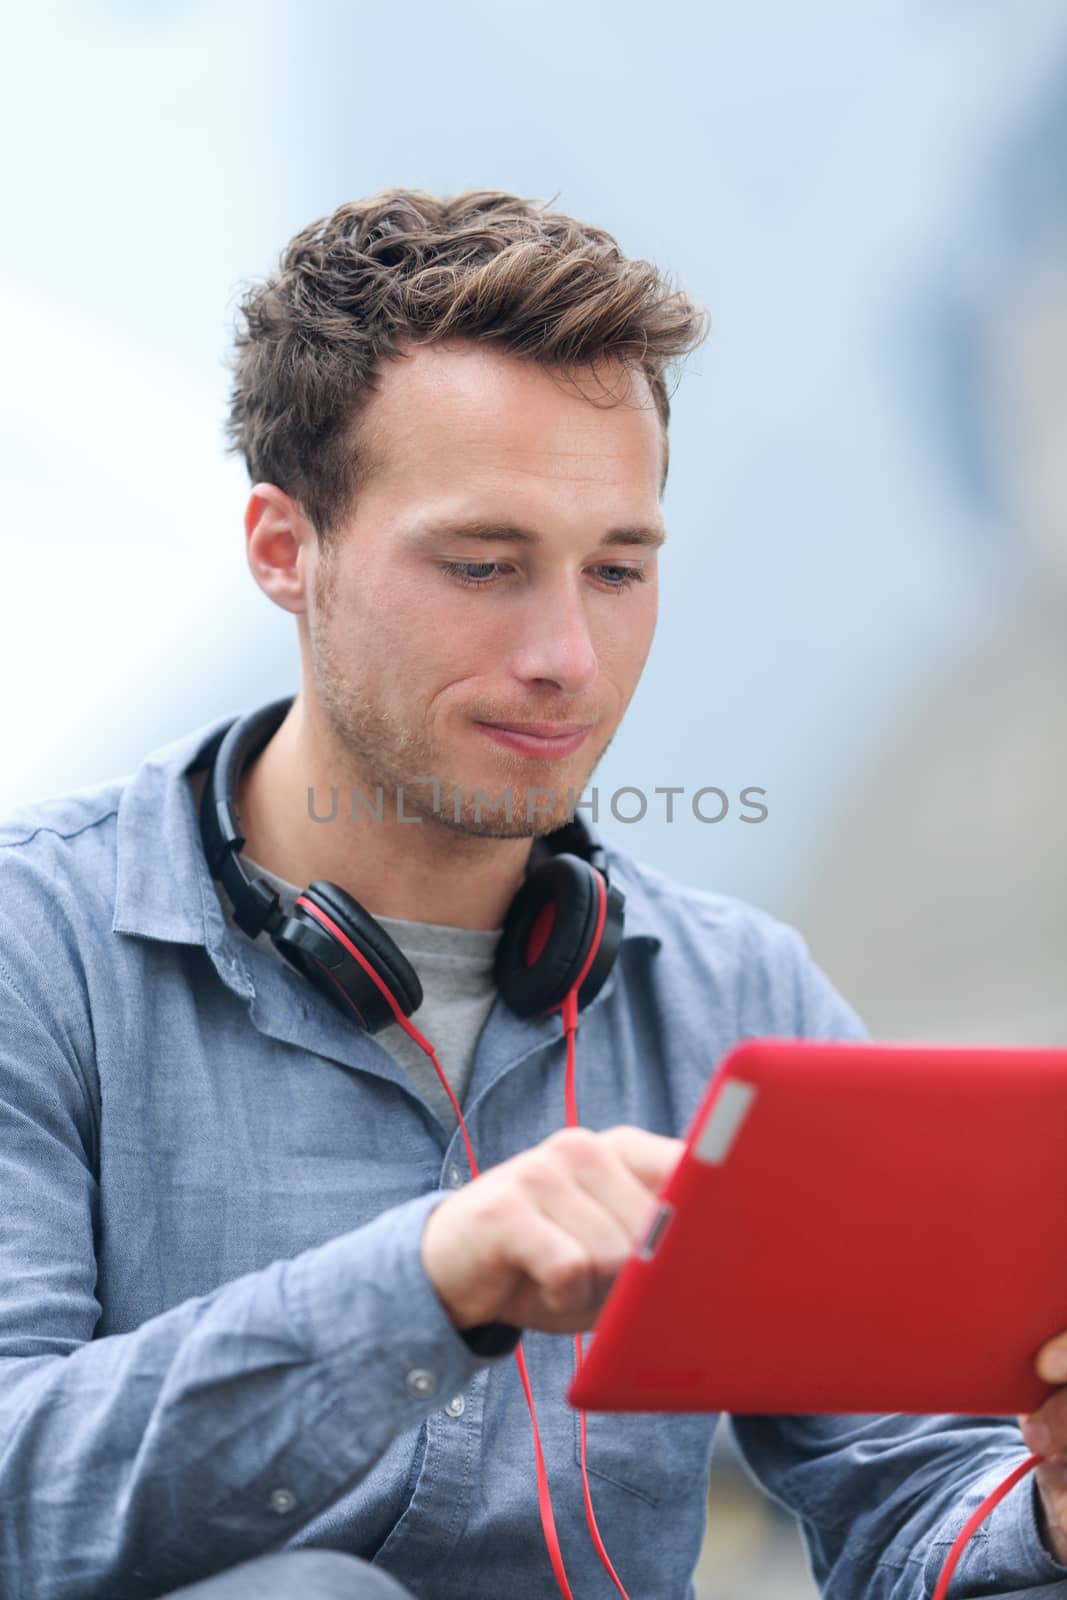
(756, 966)
(668, 906)
(59, 842)
(57, 898)
(70, 842)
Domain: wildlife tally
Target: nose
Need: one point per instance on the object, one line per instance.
(555, 645)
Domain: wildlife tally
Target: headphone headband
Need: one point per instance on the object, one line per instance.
(557, 872)
(253, 900)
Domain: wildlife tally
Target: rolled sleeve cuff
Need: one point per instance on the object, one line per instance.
(1008, 1544)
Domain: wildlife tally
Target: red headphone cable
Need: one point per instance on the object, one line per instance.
(569, 1009)
(992, 1499)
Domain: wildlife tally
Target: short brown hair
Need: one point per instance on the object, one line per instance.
(405, 267)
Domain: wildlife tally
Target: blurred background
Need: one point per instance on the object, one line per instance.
(866, 581)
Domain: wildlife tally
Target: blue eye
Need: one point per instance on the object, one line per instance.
(480, 574)
(466, 571)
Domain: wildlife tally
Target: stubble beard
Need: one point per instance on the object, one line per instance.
(385, 754)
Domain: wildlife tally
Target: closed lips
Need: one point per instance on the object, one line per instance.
(542, 730)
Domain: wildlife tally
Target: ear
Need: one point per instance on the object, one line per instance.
(279, 538)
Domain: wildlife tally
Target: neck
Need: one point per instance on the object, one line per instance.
(420, 871)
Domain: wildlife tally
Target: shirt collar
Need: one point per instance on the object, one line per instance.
(164, 889)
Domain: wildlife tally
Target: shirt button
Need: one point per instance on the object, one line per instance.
(455, 1177)
(282, 1500)
(421, 1382)
(456, 1406)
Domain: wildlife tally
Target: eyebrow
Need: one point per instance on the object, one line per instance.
(512, 533)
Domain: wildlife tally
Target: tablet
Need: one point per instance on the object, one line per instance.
(852, 1227)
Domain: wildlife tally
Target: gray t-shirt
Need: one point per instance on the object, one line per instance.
(455, 968)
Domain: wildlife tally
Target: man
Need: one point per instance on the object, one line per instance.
(257, 1328)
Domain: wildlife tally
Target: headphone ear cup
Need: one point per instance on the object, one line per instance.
(321, 956)
(547, 934)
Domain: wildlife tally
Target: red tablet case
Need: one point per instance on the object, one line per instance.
(852, 1227)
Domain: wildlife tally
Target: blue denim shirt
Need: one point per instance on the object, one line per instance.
(216, 1335)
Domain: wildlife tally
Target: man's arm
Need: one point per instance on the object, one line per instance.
(138, 1461)
(881, 1499)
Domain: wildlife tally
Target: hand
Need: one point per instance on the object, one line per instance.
(1045, 1434)
(538, 1240)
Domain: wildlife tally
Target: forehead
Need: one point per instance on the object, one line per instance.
(458, 405)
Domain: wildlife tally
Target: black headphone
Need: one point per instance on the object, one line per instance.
(545, 943)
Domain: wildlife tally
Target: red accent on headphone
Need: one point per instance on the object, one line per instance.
(539, 932)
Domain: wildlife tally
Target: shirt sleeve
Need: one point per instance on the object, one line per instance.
(133, 1463)
(881, 1499)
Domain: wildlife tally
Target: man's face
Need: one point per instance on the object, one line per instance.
(407, 659)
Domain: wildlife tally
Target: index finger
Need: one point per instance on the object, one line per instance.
(652, 1157)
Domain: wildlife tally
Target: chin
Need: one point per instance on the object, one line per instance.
(493, 822)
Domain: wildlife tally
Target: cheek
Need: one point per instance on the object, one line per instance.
(416, 666)
(452, 622)
(624, 638)
(376, 619)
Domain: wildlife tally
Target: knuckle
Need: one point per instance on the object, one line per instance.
(572, 1138)
(504, 1206)
(500, 1204)
(535, 1175)
(577, 1147)
(572, 1275)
